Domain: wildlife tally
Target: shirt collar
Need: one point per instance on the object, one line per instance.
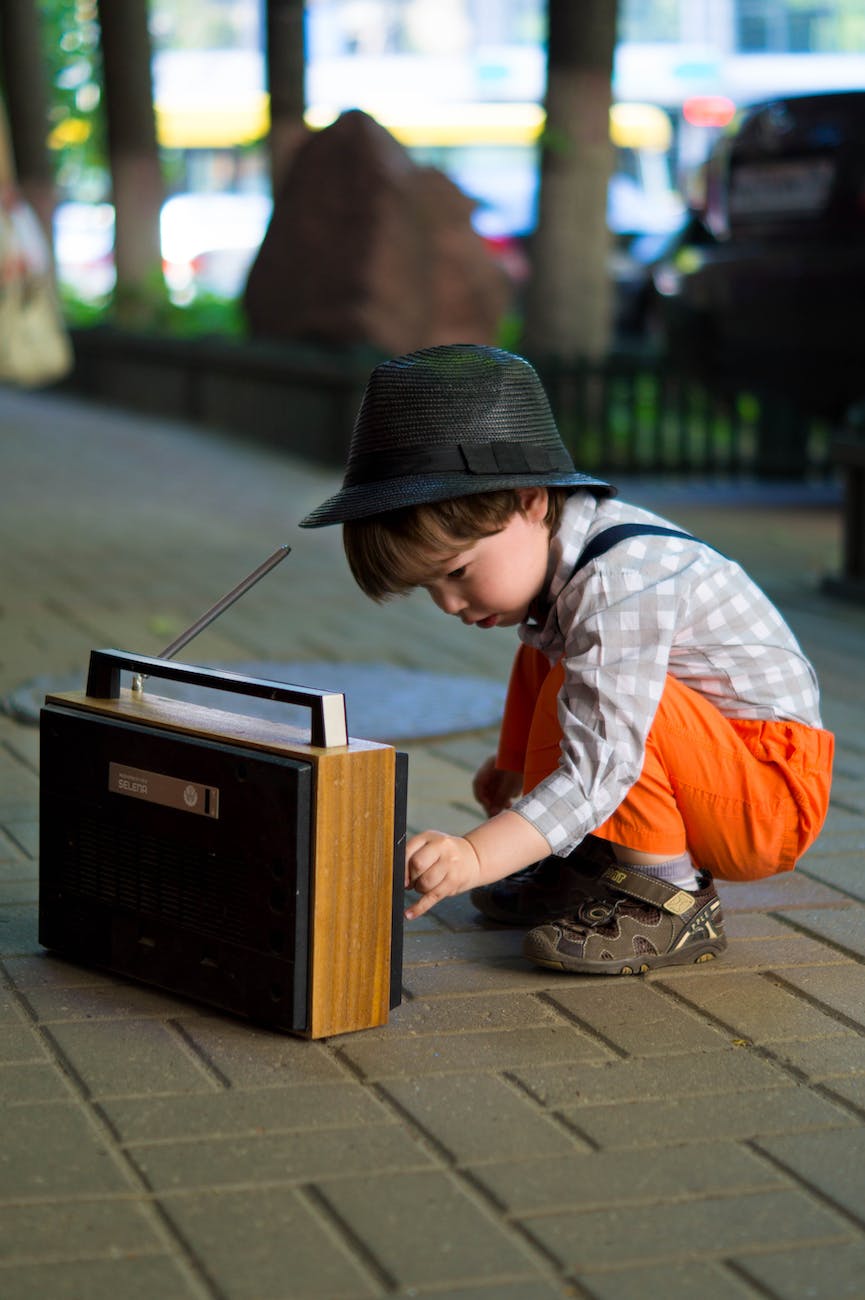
(566, 545)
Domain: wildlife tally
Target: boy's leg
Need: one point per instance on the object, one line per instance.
(529, 743)
(745, 798)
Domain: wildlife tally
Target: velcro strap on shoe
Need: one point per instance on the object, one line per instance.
(648, 889)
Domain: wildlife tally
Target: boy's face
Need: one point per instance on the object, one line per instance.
(493, 581)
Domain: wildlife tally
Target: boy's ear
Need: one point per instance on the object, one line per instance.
(534, 502)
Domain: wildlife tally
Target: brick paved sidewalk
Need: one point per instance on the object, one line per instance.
(511, 1134)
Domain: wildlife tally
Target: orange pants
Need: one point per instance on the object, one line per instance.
(744, 797)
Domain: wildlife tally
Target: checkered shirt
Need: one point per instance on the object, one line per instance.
(649, 606)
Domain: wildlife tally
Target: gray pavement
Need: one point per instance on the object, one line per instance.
(511, 1133)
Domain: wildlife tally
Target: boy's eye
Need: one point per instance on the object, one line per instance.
(457, 573)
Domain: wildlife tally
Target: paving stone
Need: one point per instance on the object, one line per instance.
(129, 1057)
(18, 927)
(824, 1058)
(114, 1000)
(494, 975)
(850, 1089)
(637, 1019)
(843, 871)
(459, 913)
(140, 1278)
(694, 1230)
(445, 945)
(249, 1057)
(709, 1073)
(19, 1042)
(842, 926)
(260, 1243)
(476, 1117)
(11, 852)
(488, 975)
(278, 1157)
(611, 1178)
(831, 1271)
(844, 834)
(42, 970)
(392, 1214)
(792, 889)
(10, 1013)
(724, 1117)
(840, 988)
(20, 891)
(500, 1290)
(54, 1151)
(508, 1050)
(30, 1084)
(253, 1112)
(832, 1162)
(755, 926)
(765, 954)
(77, 1229)
(203, 1097)
(23, 833)
(670, 1281)
(15, 872)
(754, 1007)
(453, 1015)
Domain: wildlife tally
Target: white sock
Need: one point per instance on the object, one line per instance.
(680, 871)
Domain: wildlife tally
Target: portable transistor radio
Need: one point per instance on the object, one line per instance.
(222, 857)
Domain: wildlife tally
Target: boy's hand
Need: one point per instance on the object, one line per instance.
(494, 788)
(438, 865)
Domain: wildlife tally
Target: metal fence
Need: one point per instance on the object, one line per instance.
(632, 414)
(637, 414)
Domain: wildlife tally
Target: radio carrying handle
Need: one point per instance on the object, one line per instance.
(328, 722)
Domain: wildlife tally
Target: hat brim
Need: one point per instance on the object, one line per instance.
(363, 500)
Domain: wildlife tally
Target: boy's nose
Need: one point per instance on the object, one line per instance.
(450, 602)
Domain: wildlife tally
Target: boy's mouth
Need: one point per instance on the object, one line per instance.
(489, 621)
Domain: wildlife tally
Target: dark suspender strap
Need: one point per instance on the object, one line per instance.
(610, 537)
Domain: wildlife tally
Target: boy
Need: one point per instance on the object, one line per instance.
(661, 724)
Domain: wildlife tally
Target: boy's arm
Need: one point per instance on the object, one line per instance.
(439, 865)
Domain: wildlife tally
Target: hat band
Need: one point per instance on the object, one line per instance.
(461, 458)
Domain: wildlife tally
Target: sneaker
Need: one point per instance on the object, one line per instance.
(549, 889)
(636, 924)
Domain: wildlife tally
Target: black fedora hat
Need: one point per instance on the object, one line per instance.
(447, 422)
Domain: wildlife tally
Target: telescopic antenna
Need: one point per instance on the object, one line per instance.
(215, 610)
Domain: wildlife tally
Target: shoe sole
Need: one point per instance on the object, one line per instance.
(691, 956)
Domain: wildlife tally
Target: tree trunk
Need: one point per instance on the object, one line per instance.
(133, 157)
(286, 66)
(22, 72)
(568, 307)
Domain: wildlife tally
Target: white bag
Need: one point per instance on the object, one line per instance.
(34, 345)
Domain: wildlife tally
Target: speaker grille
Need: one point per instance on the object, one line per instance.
(159, 877)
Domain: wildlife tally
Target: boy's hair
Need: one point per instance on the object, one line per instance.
(389, 553)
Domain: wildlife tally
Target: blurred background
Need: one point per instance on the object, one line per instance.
(651, 179)
(460, 82)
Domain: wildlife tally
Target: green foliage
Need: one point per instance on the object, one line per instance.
(77, 127)
(208, 314)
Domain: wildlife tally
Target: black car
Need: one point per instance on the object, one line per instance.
(766, 286)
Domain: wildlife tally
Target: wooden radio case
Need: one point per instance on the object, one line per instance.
(222, 857)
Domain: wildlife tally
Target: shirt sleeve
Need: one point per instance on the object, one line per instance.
(617, 628)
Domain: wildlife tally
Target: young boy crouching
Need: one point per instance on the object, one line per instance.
(662, 724)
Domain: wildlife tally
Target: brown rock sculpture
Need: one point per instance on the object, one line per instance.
(364, 246)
